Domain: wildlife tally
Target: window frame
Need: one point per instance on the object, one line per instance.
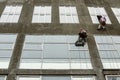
(94, 11)
(13, 13)
(42, 14)
(63, 40)
(8, 57)
(68, 13)
(108, 61)
(110, 75)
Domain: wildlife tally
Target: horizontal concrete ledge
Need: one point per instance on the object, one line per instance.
(3, 71)
(60, 72)
(54, 72)
(111, 71)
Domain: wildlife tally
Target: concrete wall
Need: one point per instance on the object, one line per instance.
(24, 26)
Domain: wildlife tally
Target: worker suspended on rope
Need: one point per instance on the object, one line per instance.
(102, 22)
(82, 38)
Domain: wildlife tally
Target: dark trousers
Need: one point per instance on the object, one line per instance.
(81, 39)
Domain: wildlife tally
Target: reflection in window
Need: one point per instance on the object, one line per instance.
(2, 77)
(11, 14)
(25, 77)
(113, 77)
(56, 78)
(94, 11)
(109, 50)
(79, 56)
(28, 78)
(42, 14)
(54, 52)
(32, 53)
(6, 48)
(83, 78)
(68, 14)
(117, 13)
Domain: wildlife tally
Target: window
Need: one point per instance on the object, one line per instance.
(11, 14)
(6, 47)
(109, 50)
(113, 77)
(79, 56)
(55, 78)
(94, 11)
(28, 78)
(32, 52)
(117, 13)
(83, 78)
(68, 14)
(2, 77)
(42, 14)
(62, 55)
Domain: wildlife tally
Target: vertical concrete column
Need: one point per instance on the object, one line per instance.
(2, 6)
(109, 11)
(27, 12)
(114, 26)
(15, 59)
(55, 11)
(111, 15)
(79, 10)
(95, 58)
(83, 13)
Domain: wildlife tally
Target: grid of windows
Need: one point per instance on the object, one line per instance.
(2, 77)
(11, 14)
(68, 14)
(42, 14)
(117, 13)
(54, 52)
(6, 48)
(55, 78)
(94, 11)
(113, 77)
(109, 50)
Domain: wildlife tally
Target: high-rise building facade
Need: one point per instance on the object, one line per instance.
(37, 40)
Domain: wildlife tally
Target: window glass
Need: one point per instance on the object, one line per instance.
(28, 78)
(42, 14)
(59, 50)
(33, 46)
(31, 63)
(56, 78)
(11, 14)
(94, 11)
(108, 47)
(6, 47)
(68, 14)
(113, 77)
(54, 52)
(32, 54)
(58, 64)
(35, 18)
(81, 64)
(83, 78)
(2, 77)
(55, 39)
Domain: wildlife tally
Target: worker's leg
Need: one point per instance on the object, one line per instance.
(99, 27)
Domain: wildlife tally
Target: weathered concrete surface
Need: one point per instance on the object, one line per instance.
(24, 26)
